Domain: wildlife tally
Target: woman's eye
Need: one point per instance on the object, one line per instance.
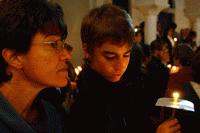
(54, 45)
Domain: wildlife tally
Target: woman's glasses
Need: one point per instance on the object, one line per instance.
(59, 45)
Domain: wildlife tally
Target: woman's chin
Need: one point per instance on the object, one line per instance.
(62, 83)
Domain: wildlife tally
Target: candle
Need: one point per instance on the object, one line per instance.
(175, 97)
(78, 69)
(136, 29)
(174, 69)
(175, 39)
(169, 66)
(175, 101)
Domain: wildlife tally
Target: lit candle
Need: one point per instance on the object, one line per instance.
(174, 69)
(136, 29)
(175, 96)
(175, 39)
(78, 69)
(169, 66)
(175, 101)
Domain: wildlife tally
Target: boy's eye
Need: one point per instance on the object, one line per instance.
(127, 55)
(110, 57)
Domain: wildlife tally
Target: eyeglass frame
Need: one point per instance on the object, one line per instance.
(59, 46)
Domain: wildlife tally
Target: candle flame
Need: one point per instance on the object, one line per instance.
(169, 66)
(175, 95)
(136, 29)
(175, 39)
(78, 69)
(174, 69)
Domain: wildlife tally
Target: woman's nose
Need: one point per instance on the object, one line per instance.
(66, 55)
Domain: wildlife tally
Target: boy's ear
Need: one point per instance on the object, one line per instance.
(85, 51)
(12, 58)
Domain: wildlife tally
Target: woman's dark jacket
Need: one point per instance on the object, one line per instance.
(49, 120)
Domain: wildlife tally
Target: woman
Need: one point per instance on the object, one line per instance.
(33, 57)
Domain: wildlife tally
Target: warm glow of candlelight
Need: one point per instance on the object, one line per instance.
(174, 69)
(175, 39)
(169, 66)
(175, 97)
(136, 29)
(78, 69)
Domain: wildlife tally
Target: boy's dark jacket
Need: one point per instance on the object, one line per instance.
(106, 107)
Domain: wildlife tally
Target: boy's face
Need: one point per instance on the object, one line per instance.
(110, 60)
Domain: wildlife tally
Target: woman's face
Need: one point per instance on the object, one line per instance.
(44, 64)
(110, 60)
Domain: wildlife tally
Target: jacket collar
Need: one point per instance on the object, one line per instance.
(12, 119)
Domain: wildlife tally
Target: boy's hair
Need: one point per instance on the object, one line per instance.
(106, 23)
(157, 44)
(20, 20)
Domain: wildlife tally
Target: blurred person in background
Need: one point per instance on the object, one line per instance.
(184, 34)
(168, 37)
(157, 76)
(191, 91)
(191, 40)
(182, 56)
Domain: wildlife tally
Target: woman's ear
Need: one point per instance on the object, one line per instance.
(12, 58)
